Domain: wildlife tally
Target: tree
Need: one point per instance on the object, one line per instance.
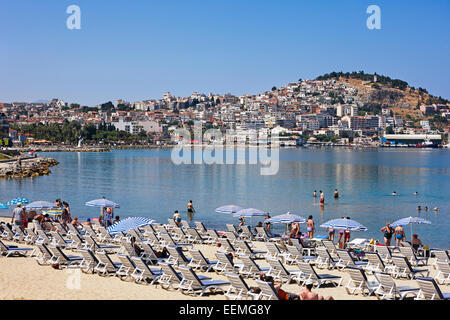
(389, 130)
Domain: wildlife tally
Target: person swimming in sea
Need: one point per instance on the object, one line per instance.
(416, 193)
(394, 193)
(336, 193)
(419, 208)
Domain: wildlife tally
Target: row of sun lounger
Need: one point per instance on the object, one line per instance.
(94, 247)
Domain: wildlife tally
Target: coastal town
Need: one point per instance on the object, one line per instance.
(354, 109)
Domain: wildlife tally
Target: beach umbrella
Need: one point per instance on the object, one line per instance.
(250, 212)
(104, 203)
(411, 221)
(129, 224)
(231, 208)
(347, 224)
(2, 206)
(40, 205)
(286, 218)
(18, 201)
(53, 212)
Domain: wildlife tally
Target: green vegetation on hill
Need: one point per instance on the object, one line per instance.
(394, 83)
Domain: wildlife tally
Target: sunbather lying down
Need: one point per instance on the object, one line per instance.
(305, 294)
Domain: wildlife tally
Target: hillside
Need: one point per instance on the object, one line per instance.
(394, 94)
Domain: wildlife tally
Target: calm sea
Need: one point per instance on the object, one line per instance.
(147, 183)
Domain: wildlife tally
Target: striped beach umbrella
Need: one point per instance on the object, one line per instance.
(286, 218)
(347, 224)
(250, 212)
(231, 208)
(53, 212)
(129, 224)
(40, 205)
(410, 221)
(18, 201)
(2, 206)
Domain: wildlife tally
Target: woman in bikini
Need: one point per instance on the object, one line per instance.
(399, 235)
(310, 228)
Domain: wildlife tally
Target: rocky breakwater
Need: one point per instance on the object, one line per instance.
(32, 167)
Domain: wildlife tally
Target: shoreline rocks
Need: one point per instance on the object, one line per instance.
(29, 168)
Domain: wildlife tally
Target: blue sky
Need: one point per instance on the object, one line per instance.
(140, 49)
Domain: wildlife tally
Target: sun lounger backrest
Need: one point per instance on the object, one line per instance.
(198, 256)
(126, 261)
(329, 245)
(294, 251)
(237, 282)
(429, 289)
(3, 247)
(267, 290)
(402, 262)
(357, 274)
(442, 256)
(177, 253)
(225, 259)
(273, 249)
(384, 252)
(308, 270)
(194, 234)
(375, 259)
(213, 234)
(46, 253)
(152, 236)
(149, 251)
(407, 252)
(169, 271)
(230, 235)
(190, 275)
(278, 265)
(44, 237)
(249, 263)
(104, 258)
(185, 224)
(226, 244)
(386, 281)
(231, 227)
(200, 227)
(444, 267)
(142, 266)
(167, 238)
(345, 256)
(89, 256)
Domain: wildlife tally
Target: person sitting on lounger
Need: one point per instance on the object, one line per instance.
(75, 222)
(307, 294)
(277, 285)
(415, 242)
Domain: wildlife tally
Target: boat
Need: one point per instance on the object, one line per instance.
(427, 143)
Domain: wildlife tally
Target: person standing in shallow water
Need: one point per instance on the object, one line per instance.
(315, 194)
(336, 193)
(322, 198)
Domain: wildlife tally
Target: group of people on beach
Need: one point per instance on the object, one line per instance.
(399, 233)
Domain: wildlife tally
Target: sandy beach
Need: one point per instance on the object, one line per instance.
(23, 278)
